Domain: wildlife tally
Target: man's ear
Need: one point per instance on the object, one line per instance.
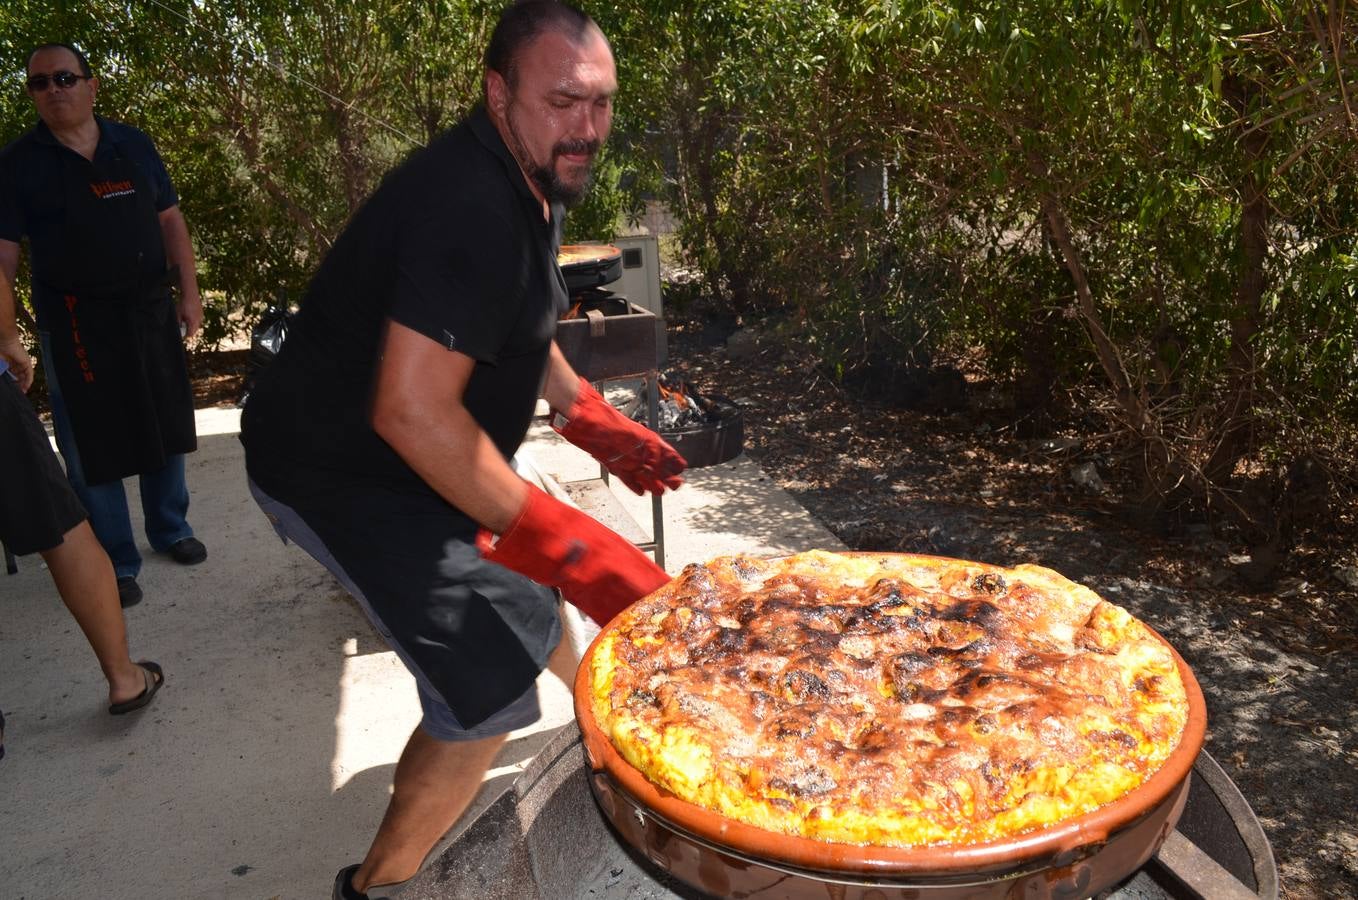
(497, 92)
(94, 87)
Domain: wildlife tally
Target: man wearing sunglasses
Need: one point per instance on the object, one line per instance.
(107, 243)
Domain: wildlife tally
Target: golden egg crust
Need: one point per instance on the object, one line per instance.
(886, 699)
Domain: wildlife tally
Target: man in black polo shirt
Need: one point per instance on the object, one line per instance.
(378, 440)
(106, 240)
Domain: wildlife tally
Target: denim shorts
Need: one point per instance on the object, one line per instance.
(439, 721)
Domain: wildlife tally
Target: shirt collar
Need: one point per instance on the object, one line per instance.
(489, 136)
(43, 135)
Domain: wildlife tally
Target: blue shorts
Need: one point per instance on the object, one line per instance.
(439, 721)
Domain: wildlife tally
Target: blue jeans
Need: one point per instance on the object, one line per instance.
(164, 493)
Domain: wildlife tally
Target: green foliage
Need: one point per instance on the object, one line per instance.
(1158, 196)
(276, 119)
(1157, 193)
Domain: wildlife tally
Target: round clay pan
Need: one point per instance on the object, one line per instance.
(1057, 844)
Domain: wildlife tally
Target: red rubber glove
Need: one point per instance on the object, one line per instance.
(559, 546)
(638, 456)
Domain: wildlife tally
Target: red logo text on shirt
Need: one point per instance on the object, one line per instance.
(81, 354)
(105, 190)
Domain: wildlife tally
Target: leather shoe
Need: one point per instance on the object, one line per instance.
(188, 552)
(129, 592)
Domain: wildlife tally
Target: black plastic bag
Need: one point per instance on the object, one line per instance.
(266, 339)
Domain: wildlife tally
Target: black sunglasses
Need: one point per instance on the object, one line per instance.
(38, 83)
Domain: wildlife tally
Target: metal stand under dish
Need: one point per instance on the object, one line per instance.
(545, 839)
(616, 342)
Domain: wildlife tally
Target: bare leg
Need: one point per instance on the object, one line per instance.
(564, 661)
(435, 781)
(84, 578)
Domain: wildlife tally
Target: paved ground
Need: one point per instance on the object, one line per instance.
(264, 764)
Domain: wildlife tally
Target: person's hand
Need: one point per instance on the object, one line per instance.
(638, 456)
(20, 363)
(554, 544)
(190, 309)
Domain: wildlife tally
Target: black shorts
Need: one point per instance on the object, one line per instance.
(475, 634)
(37, 504)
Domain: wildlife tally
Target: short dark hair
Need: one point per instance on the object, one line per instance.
(57, 45)
(522, 22)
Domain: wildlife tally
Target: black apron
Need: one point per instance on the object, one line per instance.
(116, 348)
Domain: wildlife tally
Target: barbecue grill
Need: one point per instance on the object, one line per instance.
(605, 337)
(546, 839)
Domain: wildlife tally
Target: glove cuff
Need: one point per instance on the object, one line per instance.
(527, 545)
(557, 545)
(586, 397)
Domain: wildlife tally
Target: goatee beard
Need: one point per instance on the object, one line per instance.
(553, 188)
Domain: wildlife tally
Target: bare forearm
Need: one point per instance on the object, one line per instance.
(179, 254)
(417, 409)
(12, 349)
(562, 383)
(9, 326)
(9, 261)
(458, 460)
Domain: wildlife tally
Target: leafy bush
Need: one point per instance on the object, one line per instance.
(1153, 200)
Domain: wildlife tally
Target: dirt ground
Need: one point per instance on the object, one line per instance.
(1277, 666)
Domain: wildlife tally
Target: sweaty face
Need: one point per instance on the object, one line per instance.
(62, 107)
(558, 112)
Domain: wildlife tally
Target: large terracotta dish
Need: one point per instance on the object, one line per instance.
(1143, 817)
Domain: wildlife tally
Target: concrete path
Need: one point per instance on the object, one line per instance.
(265, 763)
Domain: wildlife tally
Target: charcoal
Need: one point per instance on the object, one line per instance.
(681, 406)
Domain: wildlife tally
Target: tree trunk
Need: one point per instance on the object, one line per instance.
(350, 138)
(1163, 475)
(702, 150)
(1034, 392)
(1131, 401)
(242, 129)
(1238, 422)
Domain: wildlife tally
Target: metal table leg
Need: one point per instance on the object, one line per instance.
(653, 419)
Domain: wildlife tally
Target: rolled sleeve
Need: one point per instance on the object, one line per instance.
(454, 283)
(142, 150)
(166, 196)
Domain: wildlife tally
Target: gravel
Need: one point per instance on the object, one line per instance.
(1276, 665)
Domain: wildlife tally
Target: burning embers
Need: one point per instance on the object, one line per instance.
(706, 429)
(681, 406)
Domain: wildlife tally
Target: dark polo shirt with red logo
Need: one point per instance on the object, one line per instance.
(33, 197)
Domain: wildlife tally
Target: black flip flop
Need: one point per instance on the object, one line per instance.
(344, 887)
(154, 679)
